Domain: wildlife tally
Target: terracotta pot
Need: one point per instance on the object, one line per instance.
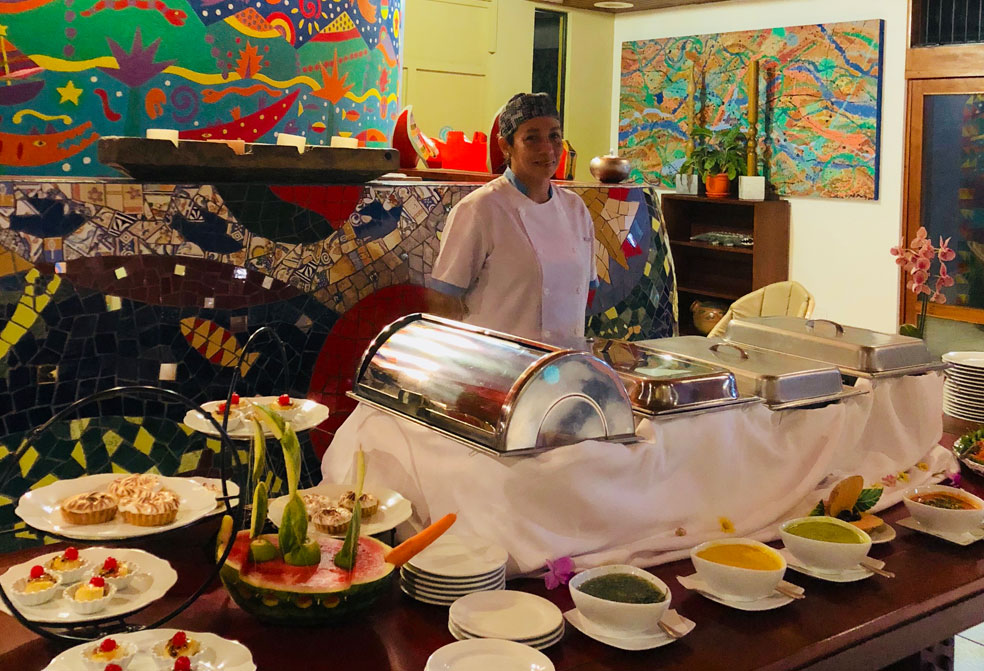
(718, 186)
(609, 169)
(707, 315)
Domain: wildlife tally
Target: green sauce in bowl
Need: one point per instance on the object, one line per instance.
(624, 588)
(824, 531)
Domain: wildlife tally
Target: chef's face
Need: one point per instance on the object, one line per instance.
(536, 149)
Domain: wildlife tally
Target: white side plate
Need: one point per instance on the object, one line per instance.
(393, 508)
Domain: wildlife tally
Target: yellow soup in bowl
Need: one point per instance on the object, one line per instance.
(820, 530)
(742, 556)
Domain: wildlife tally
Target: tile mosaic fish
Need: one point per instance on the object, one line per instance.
(215, 343)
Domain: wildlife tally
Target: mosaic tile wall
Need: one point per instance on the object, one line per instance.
(113, 283)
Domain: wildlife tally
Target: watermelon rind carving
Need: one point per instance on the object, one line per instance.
(275, 592)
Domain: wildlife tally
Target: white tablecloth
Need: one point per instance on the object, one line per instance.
(687, 480)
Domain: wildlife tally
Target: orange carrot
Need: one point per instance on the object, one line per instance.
(406, 550)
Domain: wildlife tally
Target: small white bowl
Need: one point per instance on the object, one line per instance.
(289, 414)
(72, 575)
(734, 582)
(943, 519)
(36, 598)
(129, 650)
(119, 583)
(235, 417)
(629, 618)
(825, 555)
(89, 607)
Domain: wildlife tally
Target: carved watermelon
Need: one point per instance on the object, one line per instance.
(280, 593)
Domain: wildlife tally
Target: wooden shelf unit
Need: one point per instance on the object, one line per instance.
(715, 271)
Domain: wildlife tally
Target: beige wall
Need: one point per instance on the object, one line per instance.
(839, 248)
(464, 58)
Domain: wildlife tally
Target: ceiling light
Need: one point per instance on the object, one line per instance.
(614, 4)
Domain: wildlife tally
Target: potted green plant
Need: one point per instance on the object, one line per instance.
(718, 157)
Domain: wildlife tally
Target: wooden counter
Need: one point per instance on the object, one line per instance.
(938, 592)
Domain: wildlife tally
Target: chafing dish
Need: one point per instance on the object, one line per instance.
(782, 380)
(494, 392)
(661, 384)
(855, 351)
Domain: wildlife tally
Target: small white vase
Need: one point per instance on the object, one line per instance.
(751, 188)
(687, 184)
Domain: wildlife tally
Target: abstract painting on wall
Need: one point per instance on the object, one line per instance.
(819, 103)
(72, 71)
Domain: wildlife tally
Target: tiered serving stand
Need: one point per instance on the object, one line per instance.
(40, 511)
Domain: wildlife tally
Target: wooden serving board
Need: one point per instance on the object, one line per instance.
(217, 162)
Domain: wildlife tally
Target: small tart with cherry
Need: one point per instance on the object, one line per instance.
(69, 565)
(109, 652)
(178, 646)
(90, 597)
(116, 572)
(286, 406)
(40, 586)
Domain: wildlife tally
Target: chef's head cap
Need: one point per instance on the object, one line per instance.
(523, 107)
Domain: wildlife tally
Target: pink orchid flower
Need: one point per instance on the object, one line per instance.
(946, 254)
(559, 572)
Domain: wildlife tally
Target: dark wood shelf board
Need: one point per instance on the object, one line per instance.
(717, 248)
(713, 293)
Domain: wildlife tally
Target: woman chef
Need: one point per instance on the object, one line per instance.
(517, 255)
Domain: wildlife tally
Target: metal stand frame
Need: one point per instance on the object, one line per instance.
(97, 629)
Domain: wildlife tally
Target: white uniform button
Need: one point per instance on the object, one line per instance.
(546, 292)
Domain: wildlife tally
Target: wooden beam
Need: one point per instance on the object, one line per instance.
(961, 60)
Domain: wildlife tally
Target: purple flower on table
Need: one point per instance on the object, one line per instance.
(953, 479)
(559, 571)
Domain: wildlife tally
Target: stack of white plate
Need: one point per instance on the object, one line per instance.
(963, 390)
(513, 616)
(453, 566)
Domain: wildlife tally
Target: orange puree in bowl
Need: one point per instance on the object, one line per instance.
(742, 556)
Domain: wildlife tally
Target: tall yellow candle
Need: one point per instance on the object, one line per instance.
(753, 88)
(691, 94)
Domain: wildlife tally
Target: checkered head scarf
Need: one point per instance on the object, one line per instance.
(523, 107)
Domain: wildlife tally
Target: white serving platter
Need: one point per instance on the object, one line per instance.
(393, 508)
(310, 415)
(224, 654)
(152, 579)
(41, 509)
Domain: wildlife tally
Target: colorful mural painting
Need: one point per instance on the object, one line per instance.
(105, 284)
(819, 103)
(208, 68)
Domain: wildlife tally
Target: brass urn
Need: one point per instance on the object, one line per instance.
(610, 169)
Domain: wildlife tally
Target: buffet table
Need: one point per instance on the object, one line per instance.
(938, 591)
(685, 481)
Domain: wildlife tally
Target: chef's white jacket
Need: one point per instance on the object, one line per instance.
(521, 267)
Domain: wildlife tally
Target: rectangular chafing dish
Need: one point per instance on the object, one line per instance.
(496, 393)
(661, 384)
(782, 380)
(855, 351)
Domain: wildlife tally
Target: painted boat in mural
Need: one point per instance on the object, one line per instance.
(21, 78)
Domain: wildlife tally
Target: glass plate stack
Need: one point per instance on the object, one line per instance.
(963, 390)
(452, 567)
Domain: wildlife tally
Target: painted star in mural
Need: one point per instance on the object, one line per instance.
(69, 93)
